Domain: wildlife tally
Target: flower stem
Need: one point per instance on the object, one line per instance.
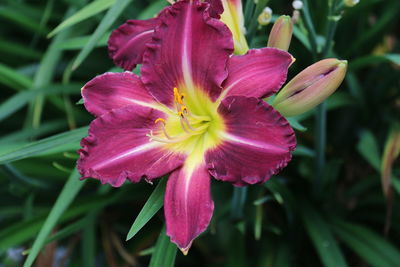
(252, 28)
(238, 201)
(320, 143)
(312, 36)
(321, 116)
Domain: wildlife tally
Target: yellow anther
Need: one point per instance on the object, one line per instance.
(178, 97)
(176, 94)
(181, 99)
(184, 109)
(159, 120)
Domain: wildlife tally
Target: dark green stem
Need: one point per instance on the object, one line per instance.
(238, 201)
(312, 36)
(321, 116)
(320, 136)
(252, 28)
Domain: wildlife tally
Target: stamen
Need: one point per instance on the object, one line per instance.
(196, 130)
(163, 127)
(187, 121)
(168, 141)
(183, 125)
(159, 120)
(197, 117)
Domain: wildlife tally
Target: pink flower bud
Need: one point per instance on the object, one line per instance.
(310, 87)
(281, 33)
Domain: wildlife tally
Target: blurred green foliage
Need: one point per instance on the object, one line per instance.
(328, 212)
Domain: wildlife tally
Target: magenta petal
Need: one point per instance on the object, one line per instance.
(259, 73)
(256, 144)
(216, 8)
(128, 42)
(117, 147)
(189, 50)
(114, 90)
(188, 205)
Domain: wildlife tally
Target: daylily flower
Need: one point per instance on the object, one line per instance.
(196, 112)
(128, 43)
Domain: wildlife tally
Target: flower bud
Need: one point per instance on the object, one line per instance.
(350, 3)
(310, 87)
(281, 33)
(234, 19)
(265, 17)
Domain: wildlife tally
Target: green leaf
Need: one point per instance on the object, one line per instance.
(15, 103)
(396, 184)
(88, 11)
(303, 151)
(153, 204)
(152, 9)
(322, 237)
(368, 148)
(296, 124)
(43, 145)
(22, 51)
(389, 13)
(14, 15)
(339, 99)
(67, 195)
(14, 79)
(20, 99)
(45, 74)
(89, 240)
(20, 232)
(164, 252)
(373, 60)
(29, 133)
(64, 232)
(104, 25)
(355, 87)
(80, 42)
(301, 37)
(394, 58)
(368, 245)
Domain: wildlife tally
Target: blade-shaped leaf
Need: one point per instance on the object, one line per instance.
(43, 145)
(14, 79)
(368, 148)
(368, 245)
(78, 43)
(67, 195)
(153, 204)
(296, 124)
(104, 25)
(164, 252)
(322, 237)
(88, 11)
(20, 99)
